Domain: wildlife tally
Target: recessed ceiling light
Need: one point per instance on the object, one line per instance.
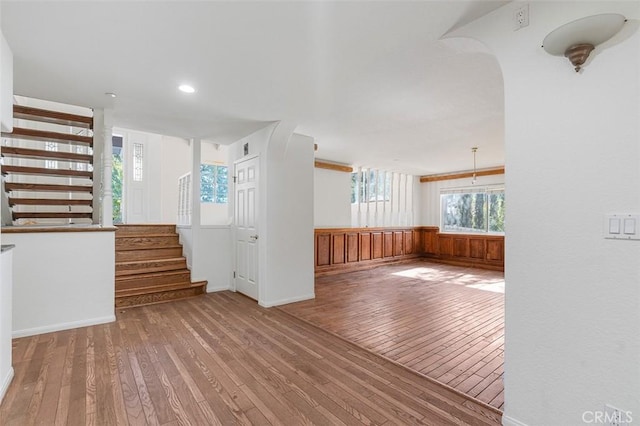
(111, 94)
(186, 88)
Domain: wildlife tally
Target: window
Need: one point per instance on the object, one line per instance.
(370, 185)
(51, 146)
(473, 210)
(213, 184)
(138, 156)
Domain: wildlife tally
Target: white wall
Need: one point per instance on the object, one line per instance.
(430, 195)
(174, 163)
(61, 280)
(209, 256)
(332, 198)
(6, 85)
(6, 309)
(572, 155)
(290, 251)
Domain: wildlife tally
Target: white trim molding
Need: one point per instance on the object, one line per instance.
(62, 326)
(510, 421)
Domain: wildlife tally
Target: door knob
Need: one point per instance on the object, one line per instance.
(253, 237)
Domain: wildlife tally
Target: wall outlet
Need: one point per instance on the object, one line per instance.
(615, 417)
(521, 17)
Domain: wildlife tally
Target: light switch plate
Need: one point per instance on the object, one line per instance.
(622, 226)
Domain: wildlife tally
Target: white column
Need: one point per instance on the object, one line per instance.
(359, 196)
(384, 199)
(196, 154)
(107, 168)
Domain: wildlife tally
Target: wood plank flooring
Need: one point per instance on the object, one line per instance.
(218, 359)
(445, 322)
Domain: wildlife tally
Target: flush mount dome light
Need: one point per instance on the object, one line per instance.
(578, 38)
(186, 88)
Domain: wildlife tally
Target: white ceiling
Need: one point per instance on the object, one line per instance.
(371, 81)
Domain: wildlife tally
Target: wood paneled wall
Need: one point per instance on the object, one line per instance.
(340, 249)
(480, 250)
(344, 249)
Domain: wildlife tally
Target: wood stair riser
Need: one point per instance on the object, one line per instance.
(136, 243)
(159, 297)
(155, 289)
(148, 254)
(124, 230)
(147, 266)
(149, 280)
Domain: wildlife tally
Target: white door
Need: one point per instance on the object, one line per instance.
(246, 221)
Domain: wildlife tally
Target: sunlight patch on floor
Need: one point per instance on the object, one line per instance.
(478, 282)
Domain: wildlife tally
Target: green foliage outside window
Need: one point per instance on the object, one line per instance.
(117, 175)
(214, 184)
(473, 211)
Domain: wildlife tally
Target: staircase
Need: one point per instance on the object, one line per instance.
(48, 167)
(150, 267)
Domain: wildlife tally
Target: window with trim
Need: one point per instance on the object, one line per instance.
(51, 146)
(472, 210)
(213, 184)
(370, 186)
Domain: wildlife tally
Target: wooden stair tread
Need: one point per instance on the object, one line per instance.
(167, 295)
(148, 253)
(141, 230)
(137, 262)
(55, 117)
(155, 275)
(43, 135)
(149, 266)
(51, 215)
(160, 288)
(40, 187)
(122, 236)
(168, 246)
(49, 202)
(43, 171)
(40, 154)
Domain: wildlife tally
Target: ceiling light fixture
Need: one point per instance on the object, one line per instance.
(186, 88)
(474, 179)
(110, 94)
(577, 39)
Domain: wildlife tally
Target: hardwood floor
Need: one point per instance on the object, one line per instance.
(217, 359)
(445, 322)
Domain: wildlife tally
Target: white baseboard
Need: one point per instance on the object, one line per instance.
(285, 301)
(510, 421)
(62, 326)
(5, 383)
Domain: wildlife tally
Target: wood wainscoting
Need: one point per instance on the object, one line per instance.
(349, 249)
(478, 250)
